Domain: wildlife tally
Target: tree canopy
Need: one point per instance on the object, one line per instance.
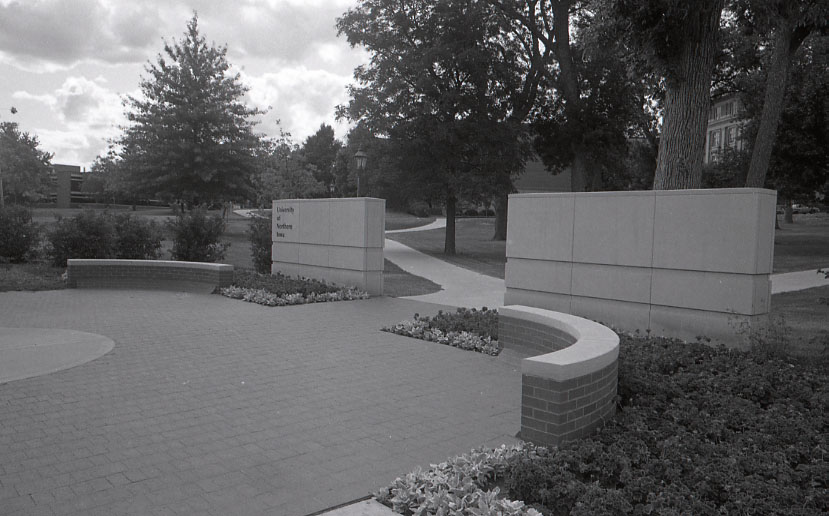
(438, 87)
(190, 135)
(24, 166)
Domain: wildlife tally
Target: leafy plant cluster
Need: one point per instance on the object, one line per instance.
(19, 235)
(261, 240)
(196, 237)
(700, 430)
(470, 329)
(263, 297)
(281, 290)
(462, 486)
(104, 235)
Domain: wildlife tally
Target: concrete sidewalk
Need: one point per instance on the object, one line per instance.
(461, 287)
(794, 281)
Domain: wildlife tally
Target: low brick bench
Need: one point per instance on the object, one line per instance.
(149, 274)
(569, 389)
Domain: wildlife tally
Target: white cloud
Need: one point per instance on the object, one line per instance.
(300, 97)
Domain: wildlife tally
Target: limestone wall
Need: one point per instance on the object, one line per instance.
(336, 240)
(681, 263)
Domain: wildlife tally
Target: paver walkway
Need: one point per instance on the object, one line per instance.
(208, 405)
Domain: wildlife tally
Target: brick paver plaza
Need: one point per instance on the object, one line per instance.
(209, 405)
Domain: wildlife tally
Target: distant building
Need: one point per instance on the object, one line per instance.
(67, 182)
(725, 127)
(536, 179)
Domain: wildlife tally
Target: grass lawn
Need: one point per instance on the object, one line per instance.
(801, 321)
(399, 220)
(803, 245)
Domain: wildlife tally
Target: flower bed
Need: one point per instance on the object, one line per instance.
(279, 290)
(465, 485)
(699, 430)
(470, 329)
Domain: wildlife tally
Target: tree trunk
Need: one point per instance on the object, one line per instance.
(501, 216)
(449, 241)
(787, 212)
(679, 161)
(785, 45)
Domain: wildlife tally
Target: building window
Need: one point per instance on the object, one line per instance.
(730, 136)
(714, 144)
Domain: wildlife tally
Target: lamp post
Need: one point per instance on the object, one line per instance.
(361, 158)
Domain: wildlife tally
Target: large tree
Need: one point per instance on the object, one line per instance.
(679, 38)
(190, 134)
(320, 150)
(785, 24)
(437, 87)
(24, 166)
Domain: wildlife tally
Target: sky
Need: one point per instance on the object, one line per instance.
(65, 65)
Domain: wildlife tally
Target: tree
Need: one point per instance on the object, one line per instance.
(190, 135)
(679, 39)
(437, 87)
(284, 173)
(24, 167)
(789, 23)
(320, 150)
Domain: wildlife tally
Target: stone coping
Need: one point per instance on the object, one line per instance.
(151, 263)
(595, 346)
(652, 193)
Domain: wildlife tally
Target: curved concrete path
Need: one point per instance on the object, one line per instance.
(794, 281)
(30, 352)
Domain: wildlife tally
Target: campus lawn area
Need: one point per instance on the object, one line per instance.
(474, 247)
(803, 245)
(41, 276)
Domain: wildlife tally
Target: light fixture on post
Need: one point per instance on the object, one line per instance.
(361, 158)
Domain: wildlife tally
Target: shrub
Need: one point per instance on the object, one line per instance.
(462, 486)
(279, 284)
(469, 329)
(137, 238)
(196, 237)
(86, 235)
(700, 430)
(261, 241)
(483, 322)
(19, 235)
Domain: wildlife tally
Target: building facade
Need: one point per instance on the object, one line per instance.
(725, 127)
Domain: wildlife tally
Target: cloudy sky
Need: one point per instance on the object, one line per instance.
(66, 64)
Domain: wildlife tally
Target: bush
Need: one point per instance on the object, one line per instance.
(196, 237)
(261, 240)
(19, 236)
(86, 235)
(280, 284)
(700, 430)
(137, 238)
(102, 235)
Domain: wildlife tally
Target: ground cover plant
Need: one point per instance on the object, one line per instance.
(698, 430)
(465, 485)
(280, 290)
(470, 329)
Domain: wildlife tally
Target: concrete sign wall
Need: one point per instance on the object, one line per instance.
(681, 263)
(336, 240)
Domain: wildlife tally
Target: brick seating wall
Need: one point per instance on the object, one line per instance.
(556, 407)
(149, 274)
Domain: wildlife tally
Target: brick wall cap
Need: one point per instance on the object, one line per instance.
(151, 263)
(651, 193)
(595, 346)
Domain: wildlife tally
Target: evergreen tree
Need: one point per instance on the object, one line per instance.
(190, 135)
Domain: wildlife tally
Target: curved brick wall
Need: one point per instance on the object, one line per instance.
(568, 390)
(149, 274)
